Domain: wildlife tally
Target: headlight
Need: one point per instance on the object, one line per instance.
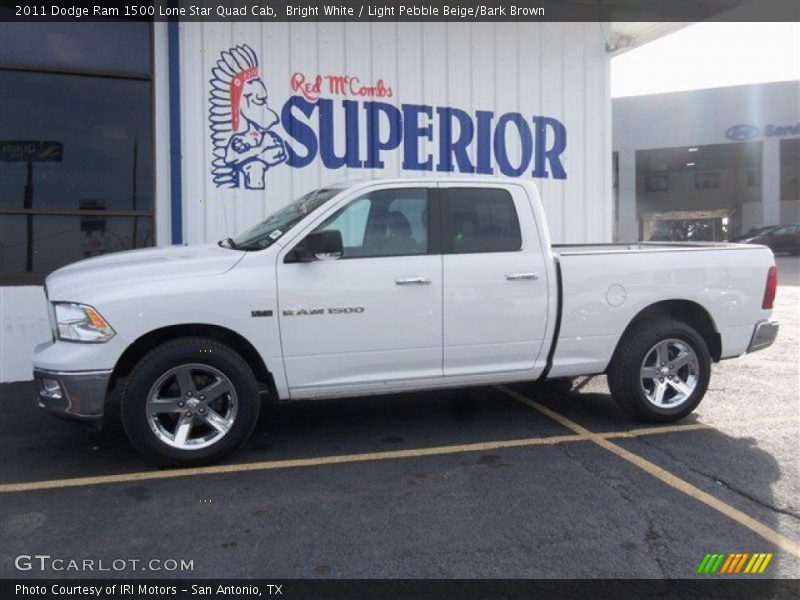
(81, 323)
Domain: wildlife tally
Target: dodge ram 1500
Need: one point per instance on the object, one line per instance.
(388, 286)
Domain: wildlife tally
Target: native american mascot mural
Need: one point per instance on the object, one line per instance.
(245, 145)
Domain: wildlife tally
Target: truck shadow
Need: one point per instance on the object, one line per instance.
(733, 461)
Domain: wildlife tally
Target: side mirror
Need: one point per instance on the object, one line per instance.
(319, 245)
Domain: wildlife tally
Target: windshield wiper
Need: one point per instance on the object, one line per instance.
(254, 246)
(229, 242)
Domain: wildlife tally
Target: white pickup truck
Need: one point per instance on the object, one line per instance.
(388, 286)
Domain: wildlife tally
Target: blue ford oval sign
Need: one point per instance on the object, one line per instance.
(741, 132)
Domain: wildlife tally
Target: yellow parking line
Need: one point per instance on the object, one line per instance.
(286, 464)
(632, 433)
(350, 458)
(679, 484)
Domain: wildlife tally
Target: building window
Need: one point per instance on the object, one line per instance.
(656, 183)
(706, 181)
(753, 178)
(790, 169)
(76, 144)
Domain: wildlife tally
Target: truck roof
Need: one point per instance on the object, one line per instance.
(468, 180)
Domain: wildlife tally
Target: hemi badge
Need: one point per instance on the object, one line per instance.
(260, 313)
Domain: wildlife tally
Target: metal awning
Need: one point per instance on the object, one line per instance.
(622, 36)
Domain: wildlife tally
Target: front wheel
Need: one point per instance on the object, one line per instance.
(660, 371)
(190, 401)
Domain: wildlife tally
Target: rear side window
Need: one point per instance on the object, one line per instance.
(480, 220)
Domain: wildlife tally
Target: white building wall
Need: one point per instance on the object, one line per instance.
(23, 324)
(558, 70)
(701, 117)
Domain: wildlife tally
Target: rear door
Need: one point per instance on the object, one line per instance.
(495, 283)
(375, 314)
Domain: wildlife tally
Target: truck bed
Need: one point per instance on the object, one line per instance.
(604, 287)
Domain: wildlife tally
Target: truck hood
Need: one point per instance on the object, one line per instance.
(83, 279)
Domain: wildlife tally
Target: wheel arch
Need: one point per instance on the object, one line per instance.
(686, 311)
(136, 350)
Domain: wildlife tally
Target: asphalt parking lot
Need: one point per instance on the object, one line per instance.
(534, 481)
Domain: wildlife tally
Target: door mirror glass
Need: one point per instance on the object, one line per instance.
(319, 245)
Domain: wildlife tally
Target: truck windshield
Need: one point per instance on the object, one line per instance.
(277, 224)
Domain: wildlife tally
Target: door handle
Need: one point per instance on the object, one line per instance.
(521, 276)
(413, 280)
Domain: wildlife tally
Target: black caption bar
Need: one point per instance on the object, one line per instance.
(410, 10)
(210, 589)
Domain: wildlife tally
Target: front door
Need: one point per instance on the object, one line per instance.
(373, 315)
(495, 294)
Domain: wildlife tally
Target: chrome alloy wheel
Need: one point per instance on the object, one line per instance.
(669, 373)
(191, 406)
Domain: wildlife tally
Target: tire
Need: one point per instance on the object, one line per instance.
(189, 402)
(635, 380)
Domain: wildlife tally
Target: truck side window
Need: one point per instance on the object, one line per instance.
(480, 220)
(351, 221)
(390, 222)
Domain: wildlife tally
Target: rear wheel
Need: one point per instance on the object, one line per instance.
(190, 401)
(660, 371)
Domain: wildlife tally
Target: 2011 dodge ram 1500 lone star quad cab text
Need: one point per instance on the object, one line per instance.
(389, 286)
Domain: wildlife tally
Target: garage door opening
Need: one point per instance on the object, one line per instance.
(698, 193)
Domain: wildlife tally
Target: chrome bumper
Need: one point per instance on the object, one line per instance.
(76, 395)
(763, 335)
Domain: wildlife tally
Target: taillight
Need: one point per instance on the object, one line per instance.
(772, 287)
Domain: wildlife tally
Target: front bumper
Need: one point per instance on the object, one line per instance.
(764, 335)
(73, 394)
